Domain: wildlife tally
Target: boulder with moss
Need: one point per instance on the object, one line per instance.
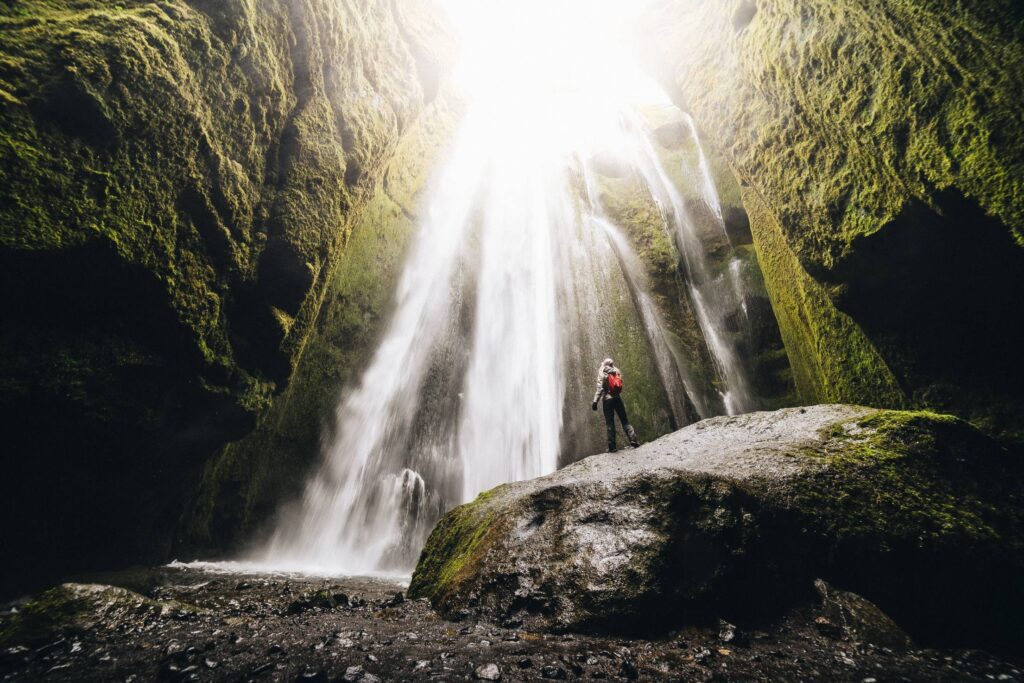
(880, 146)
(736, 516)
(72, 608)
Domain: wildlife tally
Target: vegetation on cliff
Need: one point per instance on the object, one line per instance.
(881, 145)
(177, 182)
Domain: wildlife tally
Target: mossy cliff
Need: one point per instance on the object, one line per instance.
(177, 183)
(244, 485)
(880, 146)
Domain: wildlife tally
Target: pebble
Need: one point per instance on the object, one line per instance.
(488, 672)
(553, 672)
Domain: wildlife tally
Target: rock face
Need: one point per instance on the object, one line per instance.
(736, 517)
(177, 183)
(880, 146)
(243, 485)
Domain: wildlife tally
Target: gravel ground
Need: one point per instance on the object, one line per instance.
(213, 626)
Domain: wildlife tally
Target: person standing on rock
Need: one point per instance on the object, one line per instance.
(609, 391)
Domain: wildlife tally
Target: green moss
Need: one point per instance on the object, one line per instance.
(72, 606)
(245, 483)
(178, 182)
(455, 547)
(831, 358)
(903, 476)
(845, 121)
(41, 617)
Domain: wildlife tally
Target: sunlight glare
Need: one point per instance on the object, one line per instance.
(550, 49)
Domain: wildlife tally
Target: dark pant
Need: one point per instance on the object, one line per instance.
(612, 406)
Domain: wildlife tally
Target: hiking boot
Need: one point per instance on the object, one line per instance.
(631, 433)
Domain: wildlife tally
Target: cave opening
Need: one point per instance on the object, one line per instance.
(938, 291)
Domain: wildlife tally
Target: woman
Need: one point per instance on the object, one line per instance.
(609, 388)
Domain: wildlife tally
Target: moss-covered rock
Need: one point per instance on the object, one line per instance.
(77, 607)
(881, 146)
(918, 512)
(177, 183)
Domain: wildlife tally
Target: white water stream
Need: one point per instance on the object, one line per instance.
(509, 242)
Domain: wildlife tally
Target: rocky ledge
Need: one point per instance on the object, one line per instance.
(736, 516)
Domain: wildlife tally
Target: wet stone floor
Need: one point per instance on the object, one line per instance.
(231, 627)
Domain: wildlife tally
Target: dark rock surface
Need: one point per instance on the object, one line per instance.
(858, 618)
(736, 516)
(178, 181)
(188, 624)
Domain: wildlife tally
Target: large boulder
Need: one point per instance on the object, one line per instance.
(736, 516)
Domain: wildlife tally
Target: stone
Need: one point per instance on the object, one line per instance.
(860, 619)
(743, 513)
(729, 633)
(553, 672)
(488, 672)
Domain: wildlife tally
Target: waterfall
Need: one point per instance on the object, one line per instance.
(508, 299)
(672, 370)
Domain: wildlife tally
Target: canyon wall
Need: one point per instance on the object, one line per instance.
(880, 149)
(178, 182)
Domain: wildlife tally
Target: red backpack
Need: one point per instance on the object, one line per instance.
(614, 383)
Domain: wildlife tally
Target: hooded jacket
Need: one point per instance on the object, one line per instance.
(602, 382)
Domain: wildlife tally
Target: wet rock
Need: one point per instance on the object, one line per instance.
(488, 672)
(317, 600)
(553, 672)
(354, 673)
(741, 512)
(75, 607)
(729, 633)
(860, 619)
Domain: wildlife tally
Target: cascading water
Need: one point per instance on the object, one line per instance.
(511, 243)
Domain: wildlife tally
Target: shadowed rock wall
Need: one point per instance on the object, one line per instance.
(177, 183)
(880, 146)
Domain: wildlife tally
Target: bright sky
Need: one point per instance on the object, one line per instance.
(549, 49)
